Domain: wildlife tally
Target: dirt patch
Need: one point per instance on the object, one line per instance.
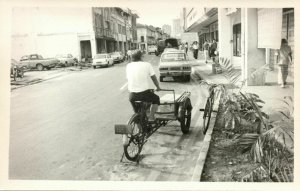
(225, 162)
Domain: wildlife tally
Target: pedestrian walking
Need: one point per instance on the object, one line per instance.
(129, 55)
(205, 50)
(213, 48)
(186, 47)
(195, 49)
(284, 59)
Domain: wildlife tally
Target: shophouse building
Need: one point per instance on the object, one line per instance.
(248, 37)
(82, 32)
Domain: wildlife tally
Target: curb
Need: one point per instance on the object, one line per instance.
(204, 149)
(36, 82)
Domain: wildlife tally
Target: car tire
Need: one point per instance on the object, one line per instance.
(161, 78)
(39, 67)
(94, 67)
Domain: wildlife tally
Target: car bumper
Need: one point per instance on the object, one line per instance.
(100, 64)
(118, 59)
(52, 65)
(175, 73)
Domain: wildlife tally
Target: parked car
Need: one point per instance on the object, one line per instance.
(102, 60)
(117, 57)
(66, 60)
(37, 61)
(152, 49)
(162, 44)
(17, 70)
(174, 63)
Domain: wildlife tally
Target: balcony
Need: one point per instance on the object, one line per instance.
(103, 33)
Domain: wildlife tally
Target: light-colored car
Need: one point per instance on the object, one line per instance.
(117, 57)
(102, 60)
(66, 59)
(152, 49)
(37, 61)
(174, 63)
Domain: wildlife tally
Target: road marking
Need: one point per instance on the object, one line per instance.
(124, 86)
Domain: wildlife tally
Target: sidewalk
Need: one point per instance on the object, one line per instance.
(33, 77)
(271, 93)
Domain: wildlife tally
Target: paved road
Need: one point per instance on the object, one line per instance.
(63, 129)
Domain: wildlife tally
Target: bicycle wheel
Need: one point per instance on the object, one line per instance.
(207, 115)
(134, 146)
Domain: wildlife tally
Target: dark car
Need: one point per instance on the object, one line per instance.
(167, 43)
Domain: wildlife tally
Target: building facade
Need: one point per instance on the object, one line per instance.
(176, 30)
(167, 29)
(149, 35)
(243, 35)
(82, 32)
(204, 21)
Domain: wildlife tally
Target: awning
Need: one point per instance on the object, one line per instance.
(209, 17)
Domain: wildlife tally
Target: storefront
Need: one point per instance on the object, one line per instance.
(245, 40)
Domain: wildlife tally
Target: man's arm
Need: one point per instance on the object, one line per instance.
(155, 81)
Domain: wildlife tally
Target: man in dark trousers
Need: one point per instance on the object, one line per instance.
(195, 49)
(213, 48)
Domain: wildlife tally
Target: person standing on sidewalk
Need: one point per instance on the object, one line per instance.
(213, 48)
(284, 59)
(129, 55)
(205, 50)
(195, 49)
(186, 47)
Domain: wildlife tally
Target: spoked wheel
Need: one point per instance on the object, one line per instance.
(185, 121)
(207, 114)
(133, 142)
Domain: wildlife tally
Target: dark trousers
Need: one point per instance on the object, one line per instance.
(145, 96)
(196, 54)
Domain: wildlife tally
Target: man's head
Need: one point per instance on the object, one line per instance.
(136, 55)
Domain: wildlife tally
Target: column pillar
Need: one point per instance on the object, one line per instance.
(255, 57)
(93, 46)
(225, 34)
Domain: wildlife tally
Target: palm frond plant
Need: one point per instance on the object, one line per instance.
(287, 110)
(242, 113)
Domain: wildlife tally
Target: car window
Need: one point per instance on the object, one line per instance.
(33, 57)
(24, 58)
(40, 57)
(169, 57)
(100, 56)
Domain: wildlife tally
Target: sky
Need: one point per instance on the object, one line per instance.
(157, 15)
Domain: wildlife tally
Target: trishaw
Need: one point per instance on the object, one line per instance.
(136, 132)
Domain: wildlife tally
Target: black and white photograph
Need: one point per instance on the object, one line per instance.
(176, 94)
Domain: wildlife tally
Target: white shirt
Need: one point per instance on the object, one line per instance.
(138, 74)
(195, 46)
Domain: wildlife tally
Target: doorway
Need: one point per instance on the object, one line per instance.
(86, 50)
